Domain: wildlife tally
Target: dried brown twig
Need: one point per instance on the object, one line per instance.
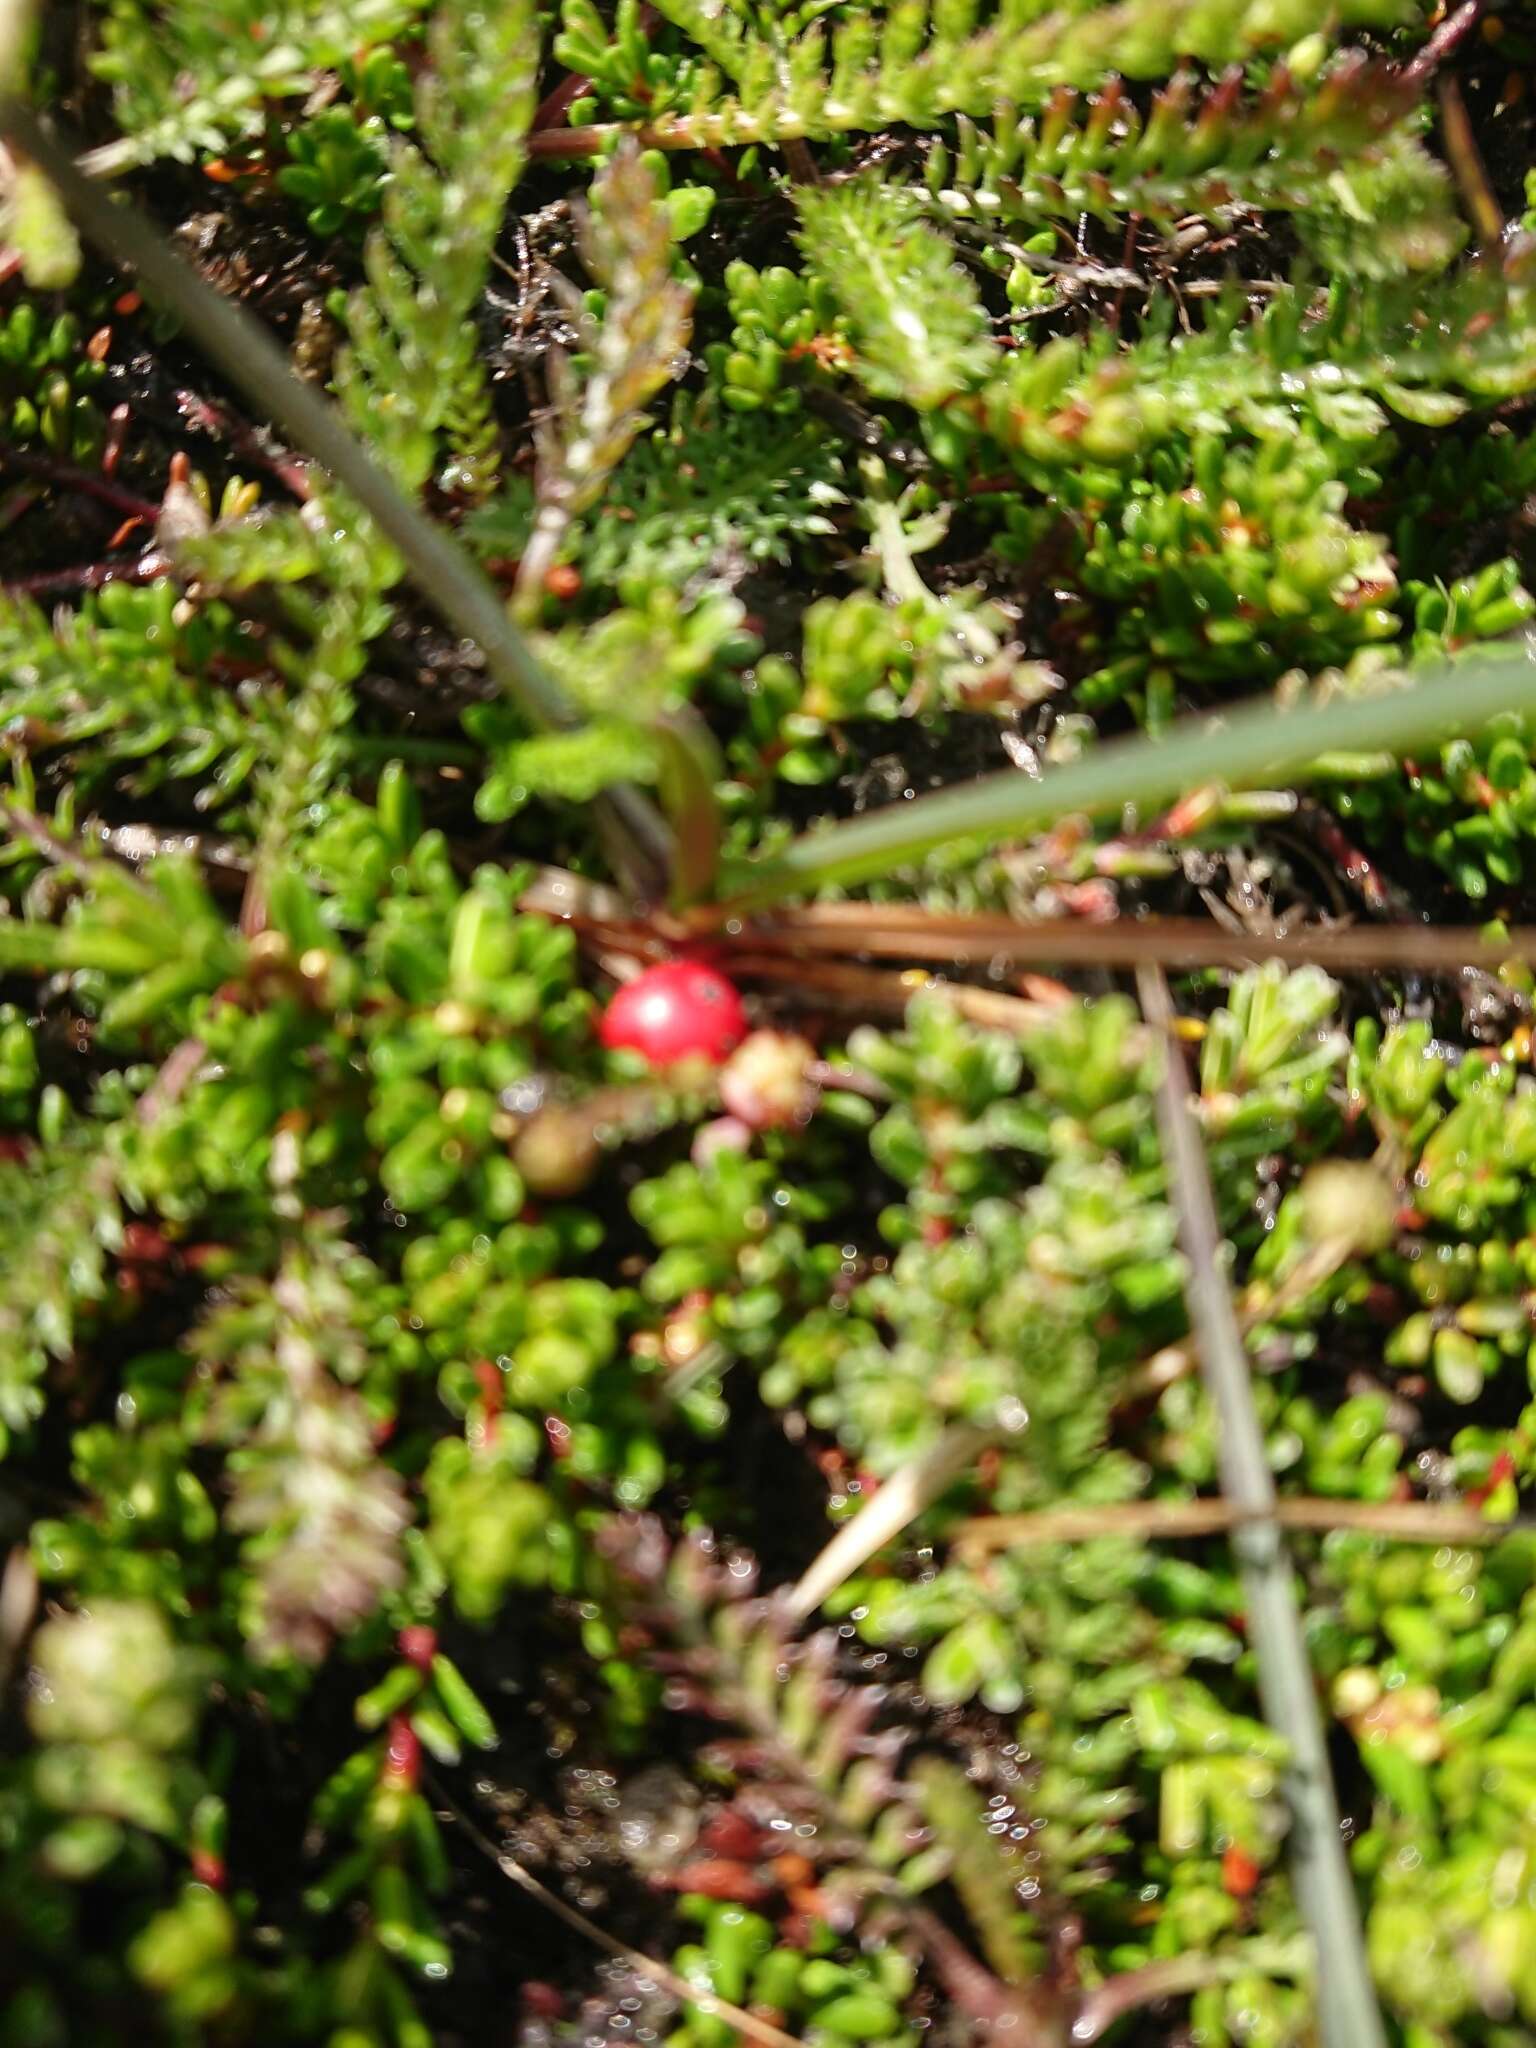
(1467, 164)
(1403, 1521)
(871, 989)
(909, 931)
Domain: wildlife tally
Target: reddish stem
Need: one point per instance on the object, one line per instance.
(551, 109)
(32, 463)
(1451, 32)
(579, 142)
(247, 443)
(90, 576)
(418, 1646)
(488, 1377)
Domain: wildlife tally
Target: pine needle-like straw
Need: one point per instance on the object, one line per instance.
(1414, 1521)
(906, 931)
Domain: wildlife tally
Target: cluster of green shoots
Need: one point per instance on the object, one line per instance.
(1016, 463)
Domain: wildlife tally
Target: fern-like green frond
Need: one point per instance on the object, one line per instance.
(331, 571)
(635, 348)
(708, 494)
(151, 942)
(914, 65)
(347, 618)
(410, 377)
(1424, 350)
(635, 673)
(187, 76)
(812, 1736)
(1210, 151)
(921, 331)
(118, 691)
(1386, 212)
(986, 1867)
(321, 1516)
(59, 1218)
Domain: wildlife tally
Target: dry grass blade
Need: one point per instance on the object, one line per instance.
(1347, 2012)
(899, 1501)
(868, 990)
(1250, 747)
(1467, 163)
(18, 1607)
(748, 2023)
(910, 932)
(1401, 1521)
(640, 342)
(907, 931)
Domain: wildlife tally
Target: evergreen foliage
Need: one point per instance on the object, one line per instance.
(421, 1411)
(185, 80)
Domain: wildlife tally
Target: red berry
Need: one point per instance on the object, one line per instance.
(678, 1011)
(1240, 1873)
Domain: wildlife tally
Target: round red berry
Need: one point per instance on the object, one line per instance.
(678, 1011)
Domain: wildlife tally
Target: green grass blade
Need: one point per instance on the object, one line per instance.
(1347, 2013)
(1256, 745)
